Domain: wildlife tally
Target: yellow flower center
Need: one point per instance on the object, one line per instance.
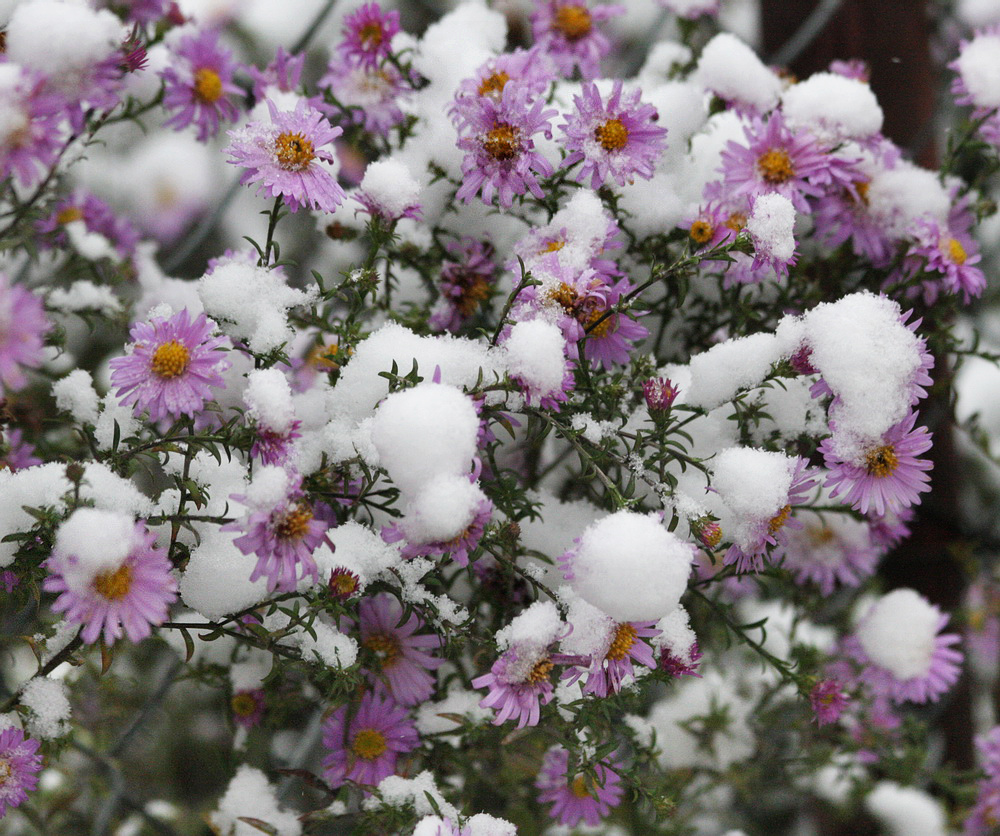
(325, 357)
(243, 704)
(207, 85)
(493, 84)
(736, 221)
(625, 636)
(501, 143)
(69, 214)
(820, 535)
(775, 166)
(712, 536)
(343, 584)
(368, 744)
(579, 787)
(295, 523)
(385, 647)
(540, 673)
(881, 462)
(612, 135)
(862, 190)
(6, 770)
(553, 246)
(701, 232)
(572, 22)
(170, 359)
(475, 292)
(778, 520)
(371, 35)
(565, 297)
(603, 327)
(114, 585)
(955, 252)
(294, 151)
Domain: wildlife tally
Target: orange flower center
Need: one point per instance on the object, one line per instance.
(368, 744)
(114, 585)
(553, 246)
(820, 534)
(572, 22)
(294, 151)
(243, 704)
(625, 636)
(612, 135)
(778, 520)
(955, 252)
(475, 292)
(207, 85)
(736, 221)
(69, 214)
(604, 327)
(385, 647)
(540, 673)
(501, 143)
(170, 359)
(343, 583)
(579, 787)
(371, 35)
(701, 232)
(881, 462)
(565, 297)
(493, 84)
(295, 523)
(775, 166)
(6, 770)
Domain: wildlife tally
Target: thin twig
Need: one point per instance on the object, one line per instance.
(804, 36)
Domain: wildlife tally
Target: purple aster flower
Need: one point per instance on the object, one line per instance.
(828, 701)
(659, 394)
(96, 216)
(248, 707)
(677, 664)
(22, 330)
(984, 817)
(273, 446)
(144, 11)
(457, 547)
(529, 70)
(283, 74)
(904, 655)
(343, 583)
(843, 215)
(519, 685)
(500, 156)
(128, 598)
(365, 96)
(466, 284)
(365, 748)
(887, 475)
(368, 34)
(776, 160)
(20, 764)
(580, 797)
(617, 139)
(831, 550)
(16, 453)
(608, 670)
(283, 537)
(766, 539)
(198, 83)
(285, 156)
(31, 135)
(854, 68)
(564, 30)
(171, 367)
(950, 254)
(401, 652)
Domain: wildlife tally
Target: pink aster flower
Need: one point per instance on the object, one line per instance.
(466, 283)
(565, 31)
(247, 707)
(16, 453)
(500, 156)
(766, 539)
(830, 550)
(608, 670)
(285, 157)
(272, 446)
(363, 95)
(519, 685)
(282, 74)
(127, 598)
(886, 476)
(680, 664)
(171, 366)
(22, 330)
(578, 797)
(95, 215)
(283, 537)
(828, 701)
(400, 651)
(31, 134)
(984, 819)
(368, 34)
(617, 139)
(950, 254)
(365, 748)
(659, 394)
(20, 764)
(198, 82)
(529, 70)
(776, 160)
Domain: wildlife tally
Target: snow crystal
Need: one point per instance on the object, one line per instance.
(269, 399)
(538, 626)
(396, 791)
(251, 303)
(48, 703)
(358, 549)
(93, 542)
(979, 66)
(247, 674)
(113, 412)
(442, 509)
(391, 186)
(754, 486)
(250, 795)
(630, 566)
(429, 719)
(899, 196)
(833, 107)
(906, 811)
(268, 489)
(592, 629)
(770, 225)
(718, 374)
(483, 824)
(676, 634)
(429, 430)
(216, 581)
(536, 354)
(898, 633)
(75, 394)
(330, 647)
(732, 70)
(84, 295)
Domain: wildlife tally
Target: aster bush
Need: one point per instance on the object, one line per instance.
(552, 420)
